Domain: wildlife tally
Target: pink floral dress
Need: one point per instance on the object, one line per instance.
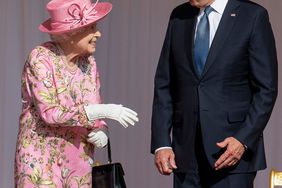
(52, 149)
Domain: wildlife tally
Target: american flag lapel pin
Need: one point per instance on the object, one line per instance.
(233, 14)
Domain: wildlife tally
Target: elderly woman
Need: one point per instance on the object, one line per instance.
(61, 124)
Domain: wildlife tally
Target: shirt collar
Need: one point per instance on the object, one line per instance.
(219, 6)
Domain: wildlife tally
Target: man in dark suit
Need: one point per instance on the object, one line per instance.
(215, 88)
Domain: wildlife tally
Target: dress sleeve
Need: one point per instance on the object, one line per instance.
(100, 124)
(38, 75)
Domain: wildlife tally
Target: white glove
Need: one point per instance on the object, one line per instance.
(98, 137)
(119, 113)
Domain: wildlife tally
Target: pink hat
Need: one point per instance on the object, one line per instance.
(68, 15)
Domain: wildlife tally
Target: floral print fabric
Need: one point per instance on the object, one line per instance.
(52, 149)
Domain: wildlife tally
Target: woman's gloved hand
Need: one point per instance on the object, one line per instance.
(98, 137)
(116, 112)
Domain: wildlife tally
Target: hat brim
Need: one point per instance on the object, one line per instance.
(103, 9)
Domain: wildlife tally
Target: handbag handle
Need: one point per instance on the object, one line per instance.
(109, 152)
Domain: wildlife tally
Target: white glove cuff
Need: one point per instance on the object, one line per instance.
(103, 129)
(92, 112)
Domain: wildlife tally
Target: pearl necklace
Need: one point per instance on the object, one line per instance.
(70, 68)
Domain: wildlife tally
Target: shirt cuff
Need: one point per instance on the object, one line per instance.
(166, 147)
(245, 146)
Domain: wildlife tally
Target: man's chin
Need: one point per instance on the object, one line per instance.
(194, 3)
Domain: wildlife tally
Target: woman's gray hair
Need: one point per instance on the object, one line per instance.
(60, 38)
(65, 36)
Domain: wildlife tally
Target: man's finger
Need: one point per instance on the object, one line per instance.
(225, 163)
(159, 167)
(233, 162)
(221, 159)
(166, 167)
(224, 143)
(172, 162)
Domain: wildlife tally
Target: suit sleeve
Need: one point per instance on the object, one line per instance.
(263, 79)
(162, 102)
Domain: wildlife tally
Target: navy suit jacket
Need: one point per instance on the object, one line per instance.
(235, 94)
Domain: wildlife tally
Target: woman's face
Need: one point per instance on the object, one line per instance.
(84, 42)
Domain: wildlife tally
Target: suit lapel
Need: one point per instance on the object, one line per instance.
(189, 38)
(224, 28)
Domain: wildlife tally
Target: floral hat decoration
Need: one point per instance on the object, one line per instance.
(69, 15)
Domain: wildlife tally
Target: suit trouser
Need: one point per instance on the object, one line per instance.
(204, 176)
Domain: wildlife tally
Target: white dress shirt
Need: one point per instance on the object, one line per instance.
(214, 17)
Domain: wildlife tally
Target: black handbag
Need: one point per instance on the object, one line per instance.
(108, 175)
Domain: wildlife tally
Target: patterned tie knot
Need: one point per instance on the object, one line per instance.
(208, 10)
